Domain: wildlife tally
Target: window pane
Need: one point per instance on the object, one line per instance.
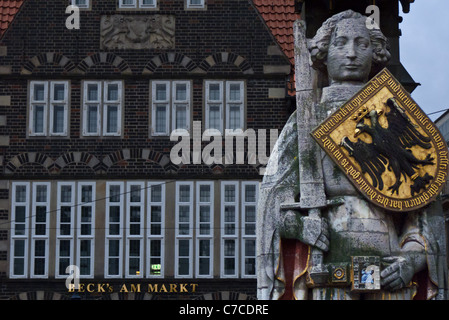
(214, 91)
(184, 193)
(114, 193)
(20, 193)
(148, 2)
(204, 193)
(161, 91)
(181, 117)
(161, 119)
(214, 117)
(156, 193)
(234, 117)
(135, 193)
(58, 92)
(195, 2)
(66, 193)
(41, 193)
(250, 193)
(234, 92)
(86, 193)
(113, 92)
(92, 119)
(38, 119)
(112, 119)
(58, 119)
(92, 92)
(181, 91)
(229, 193)
(39, 92)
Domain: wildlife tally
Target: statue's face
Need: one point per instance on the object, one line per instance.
(350, 53)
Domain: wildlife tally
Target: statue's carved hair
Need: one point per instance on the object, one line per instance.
(319, 45)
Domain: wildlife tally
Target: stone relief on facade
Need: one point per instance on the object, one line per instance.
(137, 32)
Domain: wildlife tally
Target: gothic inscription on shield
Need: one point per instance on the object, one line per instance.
(387, 146)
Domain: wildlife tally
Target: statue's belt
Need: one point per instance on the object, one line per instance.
(362, 274)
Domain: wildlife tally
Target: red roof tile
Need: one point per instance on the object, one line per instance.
(279, 16)
(8, 10)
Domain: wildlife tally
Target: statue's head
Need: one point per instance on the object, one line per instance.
(347, 50)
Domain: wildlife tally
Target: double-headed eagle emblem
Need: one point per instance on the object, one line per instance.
(390, 148)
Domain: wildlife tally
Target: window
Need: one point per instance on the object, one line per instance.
(135, 198)
(170, 105)
(249, 203)
(48, 108)
(155, 229)
(229, 229)
(20, 213)
(204, 229)
(102, 108)
(184, 234)
(114, 229)
(65, 227)
(195, 4)
(86, 228)
(31, 204)
(82, 4)
(224, 105)
(143, 4)
(40, 209)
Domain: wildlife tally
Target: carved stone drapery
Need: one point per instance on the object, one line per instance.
(137, 32)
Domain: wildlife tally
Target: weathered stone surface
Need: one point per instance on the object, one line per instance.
(137, 32)
(351, 226)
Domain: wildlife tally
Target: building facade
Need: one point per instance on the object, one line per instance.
(116, 167)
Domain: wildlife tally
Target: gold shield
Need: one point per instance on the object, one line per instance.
(386, 146)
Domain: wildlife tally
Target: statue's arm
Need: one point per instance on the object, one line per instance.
(311, 231)
(410, 260)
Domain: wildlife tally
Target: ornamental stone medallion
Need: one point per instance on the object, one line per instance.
(137, 32)
(387, 146)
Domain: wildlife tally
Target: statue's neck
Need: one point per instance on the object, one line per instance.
(339, 93)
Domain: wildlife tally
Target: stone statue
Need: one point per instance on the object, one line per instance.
(408, 244)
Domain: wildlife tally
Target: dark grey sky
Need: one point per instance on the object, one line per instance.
(425, 53)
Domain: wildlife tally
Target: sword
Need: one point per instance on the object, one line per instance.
(312, 195)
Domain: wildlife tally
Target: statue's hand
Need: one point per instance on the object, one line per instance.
(311, 231)
(411, 260)
(398, 274)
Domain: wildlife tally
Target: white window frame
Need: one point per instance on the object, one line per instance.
(86, 237)
(210, 102)
(231, 236)
(91, 103)
(137, 4)
(53, 103)
(175, 103)
(48, 105)
(155, 237)
(225, 103)
(34, 236)
(204, 237)
(155, 103)
(102, 110)
(190, 5)
(63, 237)
(170, 104)
(230, 102)
(247, 236)
(114, 237)
(19, 237)
(180, 236)
(84, 6)
(134, 237)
